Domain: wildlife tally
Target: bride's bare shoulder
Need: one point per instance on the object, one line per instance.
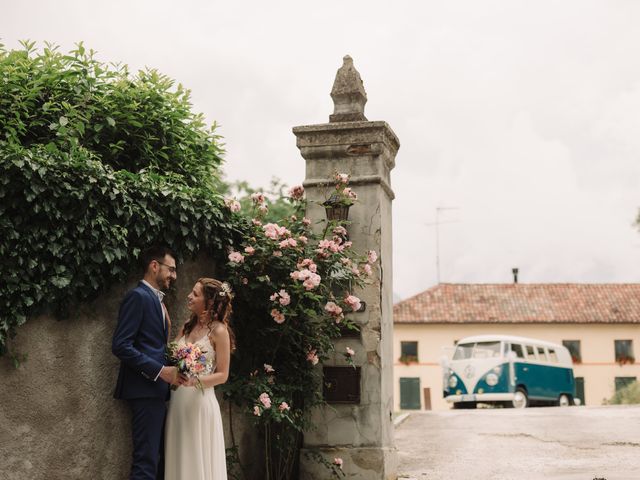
(219, 331)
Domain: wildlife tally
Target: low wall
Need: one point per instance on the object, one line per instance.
(58, 419)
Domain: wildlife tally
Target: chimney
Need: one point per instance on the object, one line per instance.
(515, 275)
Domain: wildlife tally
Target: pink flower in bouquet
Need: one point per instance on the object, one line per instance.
(268, 368)
(333, 308)
(265, 400)
(350, 352)
(367, 269)
(342, 178)
(353, 302)
(236, 257)
(249, 250)
(277, 315)
(256, 411)
(190, 360)
(355, 271)
(263, 209)
(258, 198)
(372, 256)
(283, 406)
(256, 222)
(277, 253)
(347, 244)
(346, 261)
(296, 192)
(312, 357)
(338, 462)
(232, 204)
(294, 218)
(306, 221)
(245, 280)
(302, 239)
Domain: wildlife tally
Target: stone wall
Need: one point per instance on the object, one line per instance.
(58, 419)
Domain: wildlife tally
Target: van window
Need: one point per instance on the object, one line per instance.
(477, 350)
(486, 350)
(542, 356)
(531, 352)
(463, 351)
(518, 350)
(553, 356)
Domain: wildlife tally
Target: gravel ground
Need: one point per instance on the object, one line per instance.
(553, 443)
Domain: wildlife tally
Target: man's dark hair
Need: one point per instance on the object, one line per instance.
(155, 252)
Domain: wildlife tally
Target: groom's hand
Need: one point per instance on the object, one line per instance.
(170, 375)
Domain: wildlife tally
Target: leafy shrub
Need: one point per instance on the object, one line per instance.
(294, 293)
(129, 122)
(629, 394)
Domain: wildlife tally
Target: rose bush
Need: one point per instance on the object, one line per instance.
(294, 291)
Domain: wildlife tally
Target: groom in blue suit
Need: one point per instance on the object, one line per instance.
(139, 341)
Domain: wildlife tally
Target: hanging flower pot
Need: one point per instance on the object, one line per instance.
(336, 208)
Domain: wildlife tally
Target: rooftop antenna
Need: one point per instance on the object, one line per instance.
(437, 224)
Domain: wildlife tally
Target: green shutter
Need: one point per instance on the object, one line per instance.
(410, 394)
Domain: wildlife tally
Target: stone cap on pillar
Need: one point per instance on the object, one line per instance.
(348, 94)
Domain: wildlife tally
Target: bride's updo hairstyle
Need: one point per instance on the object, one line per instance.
(217, 300)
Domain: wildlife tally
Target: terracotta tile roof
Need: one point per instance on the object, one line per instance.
(522, 303)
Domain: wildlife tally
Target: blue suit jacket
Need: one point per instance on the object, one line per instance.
(139, 341)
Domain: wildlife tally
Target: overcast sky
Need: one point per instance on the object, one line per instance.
(523, 115)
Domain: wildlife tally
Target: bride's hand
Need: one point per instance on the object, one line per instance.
(190, 382)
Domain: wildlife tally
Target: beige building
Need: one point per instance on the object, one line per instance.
(598, 323)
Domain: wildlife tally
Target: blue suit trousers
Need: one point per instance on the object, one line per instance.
(148, 416)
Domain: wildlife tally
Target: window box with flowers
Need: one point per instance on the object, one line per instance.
(624, 352)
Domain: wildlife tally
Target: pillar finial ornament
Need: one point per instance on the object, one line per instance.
(348, 94)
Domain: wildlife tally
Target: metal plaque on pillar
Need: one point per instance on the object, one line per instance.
(341, 384)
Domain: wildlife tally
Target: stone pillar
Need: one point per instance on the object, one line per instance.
(359, 433)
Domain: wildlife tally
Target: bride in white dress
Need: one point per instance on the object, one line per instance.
(194, 441)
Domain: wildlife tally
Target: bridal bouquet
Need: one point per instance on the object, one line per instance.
(190, 360)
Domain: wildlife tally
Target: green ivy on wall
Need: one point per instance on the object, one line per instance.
(96, 165)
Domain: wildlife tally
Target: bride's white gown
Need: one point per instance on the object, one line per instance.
(194, 440)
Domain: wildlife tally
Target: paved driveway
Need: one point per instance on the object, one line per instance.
(554, 443)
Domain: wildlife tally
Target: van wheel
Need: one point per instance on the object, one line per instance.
(520, 399)
(564, 400)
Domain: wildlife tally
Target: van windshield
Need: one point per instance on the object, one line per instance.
(477, 350)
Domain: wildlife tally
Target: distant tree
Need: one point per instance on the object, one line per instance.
(278, 203)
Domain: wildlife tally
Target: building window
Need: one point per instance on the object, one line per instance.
(622, 382)
(574, 350)
(408, 352)
(624, 351)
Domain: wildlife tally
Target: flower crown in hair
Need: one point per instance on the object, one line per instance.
(225, 289)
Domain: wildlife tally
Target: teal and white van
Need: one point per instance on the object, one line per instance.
(508, 370)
